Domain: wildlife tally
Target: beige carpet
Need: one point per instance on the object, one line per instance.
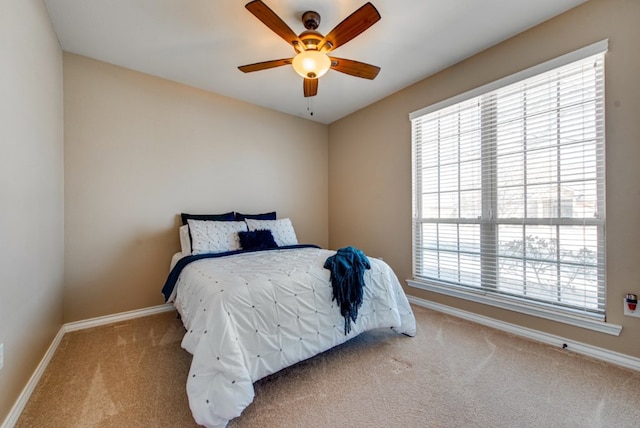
(453, 374)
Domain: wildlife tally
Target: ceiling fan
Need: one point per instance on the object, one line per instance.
(311, 60)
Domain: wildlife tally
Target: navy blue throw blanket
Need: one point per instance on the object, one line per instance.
(170, 283)
(347, 279)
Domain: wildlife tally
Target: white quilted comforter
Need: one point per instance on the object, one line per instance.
(250, 315)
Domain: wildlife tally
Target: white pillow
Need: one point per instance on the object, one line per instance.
(215, 236)
(185, 240)
(282, 230)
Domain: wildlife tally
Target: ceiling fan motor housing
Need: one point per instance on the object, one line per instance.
(311, 39)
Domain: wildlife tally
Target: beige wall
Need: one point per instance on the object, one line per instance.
(139, 150)
(31, 192)
(370, 158)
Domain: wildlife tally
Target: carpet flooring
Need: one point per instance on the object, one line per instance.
(454, 373)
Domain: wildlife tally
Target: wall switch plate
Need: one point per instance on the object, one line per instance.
(630, 313)
(1, 355)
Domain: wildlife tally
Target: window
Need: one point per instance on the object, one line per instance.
(508, 188)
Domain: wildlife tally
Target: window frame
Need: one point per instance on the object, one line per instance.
(561, 314)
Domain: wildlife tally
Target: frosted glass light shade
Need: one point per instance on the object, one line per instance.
(311, 64)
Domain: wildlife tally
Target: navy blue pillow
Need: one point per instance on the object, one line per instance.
(265, 216)
(257, 240)
(209, 217)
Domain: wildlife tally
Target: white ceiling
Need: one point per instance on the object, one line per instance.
(201, 43)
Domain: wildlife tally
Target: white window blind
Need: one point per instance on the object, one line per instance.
(508, 189)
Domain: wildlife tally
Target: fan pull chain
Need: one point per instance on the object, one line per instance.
(310, 105)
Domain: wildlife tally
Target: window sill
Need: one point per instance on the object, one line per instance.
(539, 311)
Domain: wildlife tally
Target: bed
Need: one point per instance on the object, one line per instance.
(250, 312)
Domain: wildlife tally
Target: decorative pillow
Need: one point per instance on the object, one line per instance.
(185, 240)
(257, 240)
(215, 236)
(265, 216)
(209, 217)
(282, 230)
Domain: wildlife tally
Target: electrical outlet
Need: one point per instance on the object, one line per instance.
(629, 312)
(1, 355)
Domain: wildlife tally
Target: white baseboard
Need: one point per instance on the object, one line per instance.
(18, 406)
(601, 354)
(24, 396)
(122, 316)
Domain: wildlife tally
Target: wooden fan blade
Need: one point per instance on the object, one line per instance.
(264, 65)
(354, 68)
(350, 27)
(310, 87)
(273, 21)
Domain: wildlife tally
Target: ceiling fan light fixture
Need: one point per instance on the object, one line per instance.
(311, 64)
